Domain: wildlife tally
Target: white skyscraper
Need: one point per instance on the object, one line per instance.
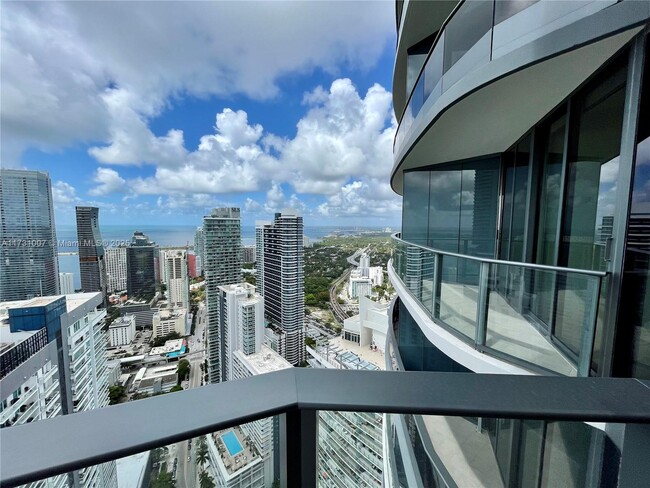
(222, 266)
(66, 283)
(176, 277)
(280, 245)
(64, 378)
(242, 316)
(115, 259)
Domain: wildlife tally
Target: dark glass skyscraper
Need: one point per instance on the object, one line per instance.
(28, 260)
(281, 270)
(141, 267)
(91, 250)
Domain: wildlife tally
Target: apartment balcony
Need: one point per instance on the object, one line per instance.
(539, 319)
(484, 60)
(79, 441)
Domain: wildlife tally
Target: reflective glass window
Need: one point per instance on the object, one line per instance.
(415, 207)
(633, 330)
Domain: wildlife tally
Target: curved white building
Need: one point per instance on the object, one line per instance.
(521, 156)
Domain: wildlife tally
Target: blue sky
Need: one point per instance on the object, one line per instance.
(157, 111)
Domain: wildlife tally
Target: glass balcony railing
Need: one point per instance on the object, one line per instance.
(478, 31)
(541, 317)
(443, 406)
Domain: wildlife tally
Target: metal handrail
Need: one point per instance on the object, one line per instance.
(542, 267)
(56, 446)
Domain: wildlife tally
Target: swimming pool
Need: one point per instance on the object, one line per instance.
(232, 443)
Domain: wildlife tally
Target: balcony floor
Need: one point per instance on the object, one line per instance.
(508, 331)
(466, 453)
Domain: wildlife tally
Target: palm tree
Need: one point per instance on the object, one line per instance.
(201, 452)
(205, 480)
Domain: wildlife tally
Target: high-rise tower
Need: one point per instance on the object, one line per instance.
(177, 277)
(28, 260)
(141, 266)
(222, 266)
(282, 273)
(92, 266)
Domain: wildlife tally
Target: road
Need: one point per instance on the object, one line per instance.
(186, 473)
(337, 310)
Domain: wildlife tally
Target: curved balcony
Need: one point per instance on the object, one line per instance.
(477, 32)
(542, 318)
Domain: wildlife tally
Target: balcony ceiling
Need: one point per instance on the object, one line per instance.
(489, 119)
(420, 20)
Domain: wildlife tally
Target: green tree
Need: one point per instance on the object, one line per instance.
(163, 480)
(115, 394)
(205, 480)
(183, 370)
(201, 452)
(310, 341)
(176, 388)
(160, 341)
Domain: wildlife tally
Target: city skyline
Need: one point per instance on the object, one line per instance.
(311, 131)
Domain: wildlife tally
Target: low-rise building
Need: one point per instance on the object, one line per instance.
(166, 321)
(157, 379)
(121, 331)
(368, 328)
(172, 348)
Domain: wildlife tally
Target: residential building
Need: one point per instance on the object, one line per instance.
(141, 266)
(165, 321)
(283, 282)
(248, 254)
(259, 254)
(241, 323)
(234, 462)
(376, 275)
(350, 448)
(53, 362)
(262, 433)
(191, 265)
(521, 155)
(28, 254)
(92, 266)
(199, 250)
(176, 277)
(222, 266)
(122, 331)
(306, 242)
(66, 283)
(359, 286)
(115, 258)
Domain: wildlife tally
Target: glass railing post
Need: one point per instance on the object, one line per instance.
(589, 330)
(482, 304)
(299, 448)
(435, 291)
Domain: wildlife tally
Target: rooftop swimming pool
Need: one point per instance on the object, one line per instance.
(232, 443)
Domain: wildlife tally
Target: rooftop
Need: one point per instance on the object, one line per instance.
(170, 346)
(265, 361)
(244, 454)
